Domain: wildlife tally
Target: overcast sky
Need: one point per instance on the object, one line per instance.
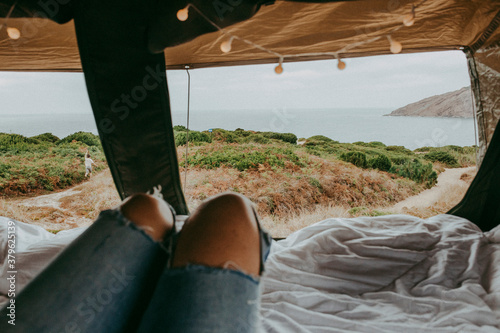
(382, 82)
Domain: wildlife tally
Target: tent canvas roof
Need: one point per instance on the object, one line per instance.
(298, 30)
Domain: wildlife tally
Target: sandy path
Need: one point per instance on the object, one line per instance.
(48, 200)
(428, 197)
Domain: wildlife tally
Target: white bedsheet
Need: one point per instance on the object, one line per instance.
(394, 273)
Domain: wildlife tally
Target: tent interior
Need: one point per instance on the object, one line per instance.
(405, 266)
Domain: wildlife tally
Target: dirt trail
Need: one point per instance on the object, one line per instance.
(426, 198)
(68, 208)
(49, 200)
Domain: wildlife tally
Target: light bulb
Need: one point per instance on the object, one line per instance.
(13, 33)
(396, 46)
(409, 19)
(183, 14)
(225, 46)
(278, 69)
(341, 65)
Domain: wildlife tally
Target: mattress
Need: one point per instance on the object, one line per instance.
(394, 273)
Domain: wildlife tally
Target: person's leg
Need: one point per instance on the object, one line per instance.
(103, 281)
(222, 232)
(213, 284)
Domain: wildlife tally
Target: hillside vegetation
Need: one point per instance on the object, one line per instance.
(45, 162)
(284, 179)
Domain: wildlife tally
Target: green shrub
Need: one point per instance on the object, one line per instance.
(458, 149)
(15, 139)
(257, 138)
(242, 133)
(399, 149)
(443, 157)
(372, 144)
(424, 149)
(46, 137)
(313, 143)
(400, 160)
(180, 128)
(195, 137)
(416, 171)
(223, 135)
(381, 162)
(84, 137)
(285, 137)
(242, 159)
(321, 138)
(355, 157)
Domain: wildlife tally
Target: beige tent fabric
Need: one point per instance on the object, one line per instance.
(299, 29)
(43, 46)
(289, 28)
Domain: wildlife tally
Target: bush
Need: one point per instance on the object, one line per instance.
(285, 137)
(380, 162)
(15, 139)
(372, 144)
(257, 138)
(458, 149)
(355, 157)
(416, 171)
(242, 159)
(443, 157)
(180, 128)
(321, 138)
(400, 160)
(223, 135)
(399, 149)
(46, 137)
(242, 133)
(424, 149)
(194, 137)
(84, 137)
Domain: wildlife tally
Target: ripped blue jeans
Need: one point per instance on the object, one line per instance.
(115, 278)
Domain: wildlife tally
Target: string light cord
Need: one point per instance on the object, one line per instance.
(395, 46)
(225, 32)
(12, 32)
(8, 14)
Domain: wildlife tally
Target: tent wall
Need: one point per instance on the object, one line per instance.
(484, 69)
(481, 202)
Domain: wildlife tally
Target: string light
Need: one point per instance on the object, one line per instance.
(183, 14)
(396, 46)
(409, 19)
(226, 45)
(341, 65)
(13, 33)
(279, 69)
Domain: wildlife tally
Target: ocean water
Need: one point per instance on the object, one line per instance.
(344, 125)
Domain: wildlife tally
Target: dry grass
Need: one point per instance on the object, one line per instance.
(282, 227)
(93, 196)
(452, 194)
(59, 211)
(286, 200)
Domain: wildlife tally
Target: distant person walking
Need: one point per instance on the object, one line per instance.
(88, 164)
